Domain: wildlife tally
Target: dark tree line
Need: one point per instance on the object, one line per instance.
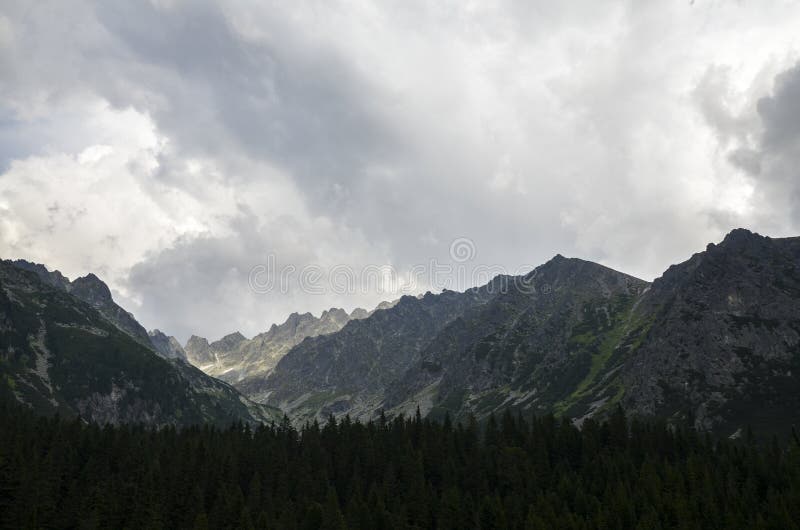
(404, 473)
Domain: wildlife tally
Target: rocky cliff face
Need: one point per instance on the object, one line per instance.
(94, 292)
(714, 342)
(52, 278)
(349, 372)
(198, 351)
(59, 353)
(242, 361)
(167, 346)
(534, 346)
(723, 349)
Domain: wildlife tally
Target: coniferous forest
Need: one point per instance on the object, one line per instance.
(539, 473)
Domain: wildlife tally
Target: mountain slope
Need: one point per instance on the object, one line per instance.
(714, 342)
(60, 354)
(528, 342)
(724, 348)
(94, 292)
(536, 343)
(350, 371)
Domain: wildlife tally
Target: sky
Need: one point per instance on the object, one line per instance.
(223, 164)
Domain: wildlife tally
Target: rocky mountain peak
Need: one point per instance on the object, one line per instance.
(580, 276)
(334, 317)
(408, 300)
(93, 291)
(385, 305)
(229, 341)
(727, 331)
(742, 254)
(741, 241)
(195, 342)
(198, 351)
(295, 318)
(235, 358)
(333, 312)
(168, 347)
(359, 313)
(739, 235)
(92, 288)
(52, 278)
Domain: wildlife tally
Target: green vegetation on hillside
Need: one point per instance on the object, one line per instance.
(601, 336)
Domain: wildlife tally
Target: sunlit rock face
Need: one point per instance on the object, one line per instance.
(235, 359)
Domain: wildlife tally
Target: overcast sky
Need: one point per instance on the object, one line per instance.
(171, 147)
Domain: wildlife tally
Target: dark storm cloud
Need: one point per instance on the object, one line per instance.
(292, 100)
(774, 158)
(780, 112)
(278, 98)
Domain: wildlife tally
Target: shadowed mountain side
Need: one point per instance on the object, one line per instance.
(714, 342)
(60, 354)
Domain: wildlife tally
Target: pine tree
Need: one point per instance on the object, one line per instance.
(332, 518)
(201, 522)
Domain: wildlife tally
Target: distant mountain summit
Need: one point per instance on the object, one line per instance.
(169, 347)
(234, 358)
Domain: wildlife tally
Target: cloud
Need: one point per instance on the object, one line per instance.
(761, 139)
(170, 146)
(780, 112)
(93, 192)
(775, 163)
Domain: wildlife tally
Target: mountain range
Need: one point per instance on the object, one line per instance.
(714, 342)
(234, 357)
(67, 348)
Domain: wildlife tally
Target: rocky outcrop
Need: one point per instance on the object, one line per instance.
(52, 278)
(168, 347)
(198, 351)
(723, 350)
(94, 292)
(358, 313)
